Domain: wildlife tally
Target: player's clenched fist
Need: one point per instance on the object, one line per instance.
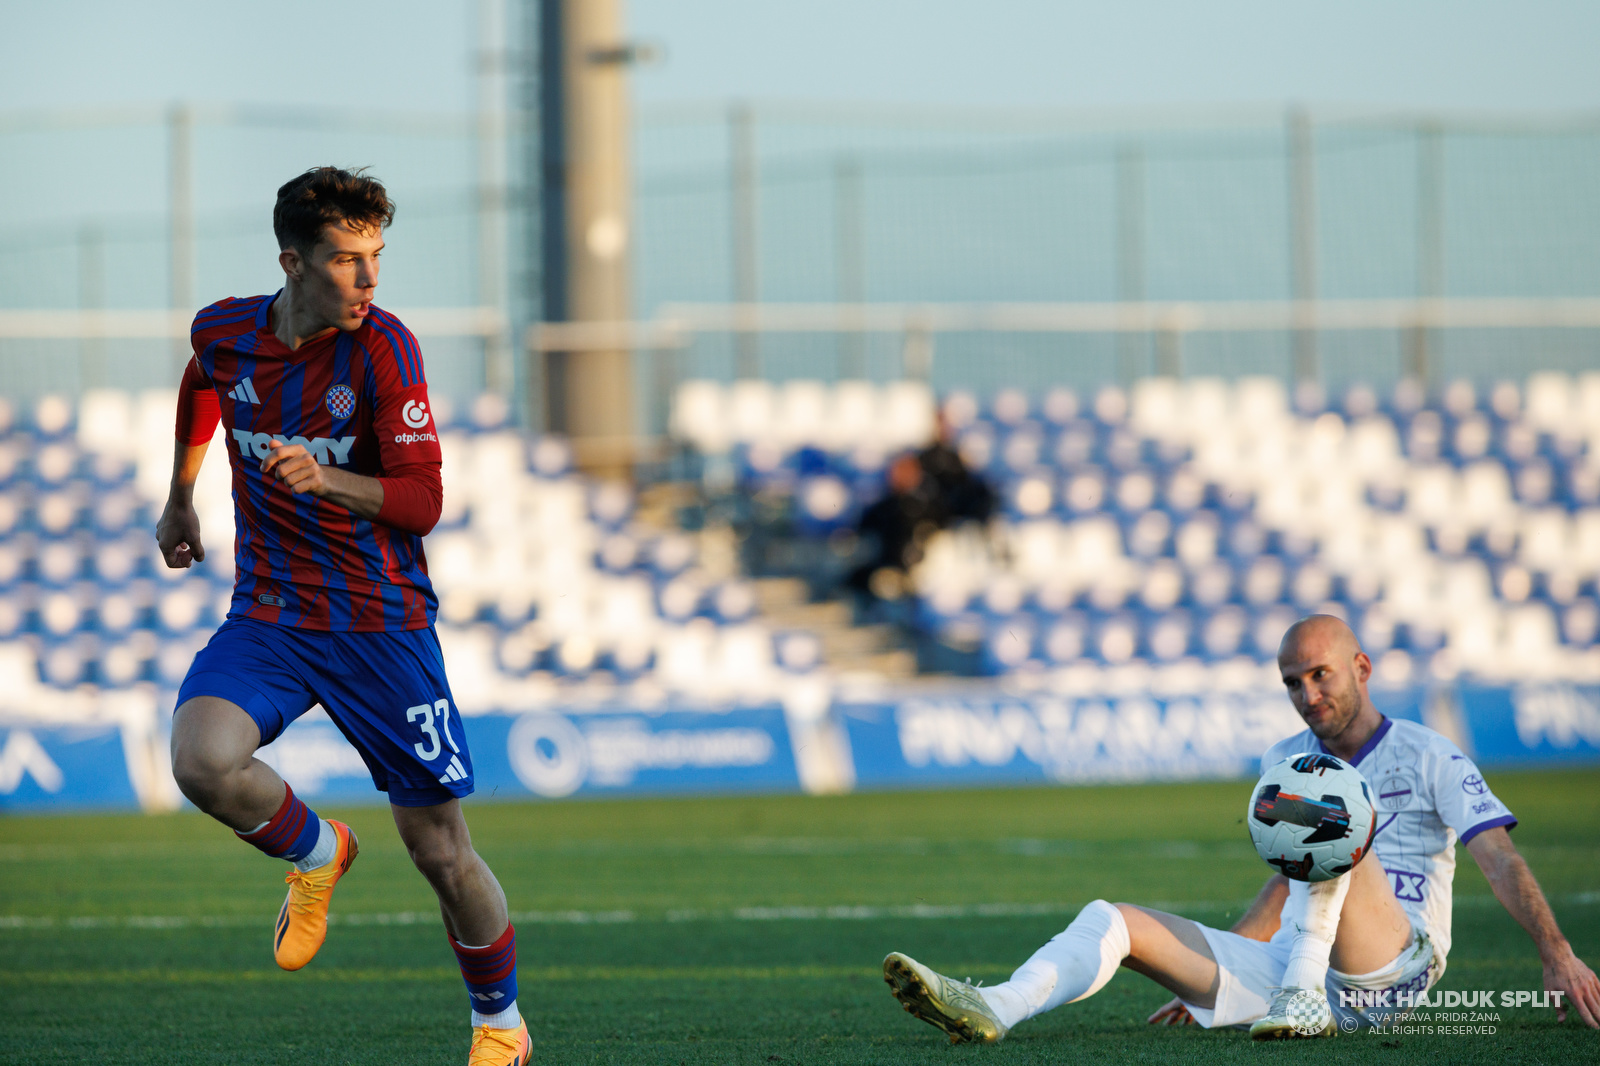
(178, 536)
(295, 467)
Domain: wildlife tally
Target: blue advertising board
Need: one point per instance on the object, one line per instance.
(1545, 723)
(549, 754)
(982, 740)
(626, 752)
(56, 767)
(316, 760)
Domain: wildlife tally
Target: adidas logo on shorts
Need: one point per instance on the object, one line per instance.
(454, 772)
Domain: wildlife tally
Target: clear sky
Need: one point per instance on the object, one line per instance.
(1450, 54)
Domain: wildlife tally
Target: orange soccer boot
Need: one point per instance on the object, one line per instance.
(500, 1047)
(303, 921)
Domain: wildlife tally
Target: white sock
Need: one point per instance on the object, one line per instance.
(509, 1018)
(322, 854)
(1075, 965)
(1313, 942)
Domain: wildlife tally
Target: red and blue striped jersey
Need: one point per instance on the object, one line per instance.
(357, 400)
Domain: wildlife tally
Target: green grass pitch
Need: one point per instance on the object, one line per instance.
(729, 930)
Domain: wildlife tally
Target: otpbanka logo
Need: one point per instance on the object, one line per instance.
(415, 415)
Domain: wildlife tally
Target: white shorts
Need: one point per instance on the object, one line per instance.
(1251, 970)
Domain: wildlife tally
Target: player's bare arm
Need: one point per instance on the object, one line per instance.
(1514, 886)
(1259, 921)
(300, 472)
(178, 531)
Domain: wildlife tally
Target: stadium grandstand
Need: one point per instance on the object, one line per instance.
(1217, 370)
(1159, 538)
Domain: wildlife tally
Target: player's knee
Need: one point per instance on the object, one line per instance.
(201, 774)
(439, 857)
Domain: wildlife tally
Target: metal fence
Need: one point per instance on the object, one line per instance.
(130, 209)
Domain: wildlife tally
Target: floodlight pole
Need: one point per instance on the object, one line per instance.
(587, 222)
(180, 218)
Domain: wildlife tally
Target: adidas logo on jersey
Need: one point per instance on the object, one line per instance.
(245, 392)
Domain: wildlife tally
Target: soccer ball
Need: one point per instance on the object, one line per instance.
(1311, 817)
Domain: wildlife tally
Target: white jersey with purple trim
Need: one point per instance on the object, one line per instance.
(1425, 795)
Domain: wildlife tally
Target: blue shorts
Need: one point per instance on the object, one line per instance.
(386, 692)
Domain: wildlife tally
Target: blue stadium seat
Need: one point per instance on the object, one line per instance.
(1580, 622)
(731, 603)
(629, 661)
(58, 561)
(610, 504)
(797, 651)
(1223, 632)
(1060, 406)
(1115, 638)
(825, 503)
(14, 563)
(1064, 639)
(1008, 644)
(549, 456)
(13, 618)
(119, 611)
(1168, 635)
(1072, 446)
(60, 613)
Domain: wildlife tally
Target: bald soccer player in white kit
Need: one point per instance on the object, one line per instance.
(1382, 927)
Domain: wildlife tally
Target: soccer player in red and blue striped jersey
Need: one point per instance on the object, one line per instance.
(335, 460)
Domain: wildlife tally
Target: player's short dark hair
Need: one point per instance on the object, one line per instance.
(328, 194)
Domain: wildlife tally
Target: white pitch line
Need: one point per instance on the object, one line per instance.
(836, 913)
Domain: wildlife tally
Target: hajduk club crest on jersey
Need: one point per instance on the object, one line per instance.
(341, 401)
